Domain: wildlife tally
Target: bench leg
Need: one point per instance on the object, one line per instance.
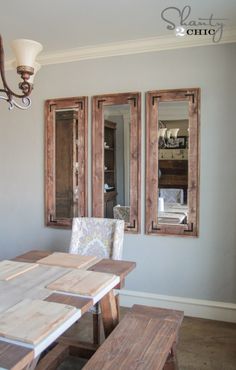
(110, 315)
(172, 362)
(54, 358)
(96, 328)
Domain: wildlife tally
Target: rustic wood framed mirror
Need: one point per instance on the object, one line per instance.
(65, 160)
(116, 158)
(172, 162)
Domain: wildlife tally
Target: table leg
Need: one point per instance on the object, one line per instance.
(110, 316)
(33, 364)
(172, 362)
(117, 297)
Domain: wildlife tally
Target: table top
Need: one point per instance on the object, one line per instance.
(20, 292)
(119, 268)
(174, 213)
(176, 208)
(171, 218)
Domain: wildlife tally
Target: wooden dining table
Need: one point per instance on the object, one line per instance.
(44, 293)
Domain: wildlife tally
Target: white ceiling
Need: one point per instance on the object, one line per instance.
(66, 24)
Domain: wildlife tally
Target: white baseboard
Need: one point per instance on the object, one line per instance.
(213, 310)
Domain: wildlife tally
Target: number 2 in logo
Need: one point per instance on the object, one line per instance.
(180, 31)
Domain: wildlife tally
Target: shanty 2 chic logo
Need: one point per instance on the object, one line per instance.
(180, 21)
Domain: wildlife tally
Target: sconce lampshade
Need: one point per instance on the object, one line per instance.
(37, 67)
(26, 51)
(174, 132)
(162, 132)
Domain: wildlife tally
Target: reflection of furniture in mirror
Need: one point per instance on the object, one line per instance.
(109, 168)
(172, 163)
(122, 212)
(174, 175)
(65, 160)
(116, 156)
(64, 163)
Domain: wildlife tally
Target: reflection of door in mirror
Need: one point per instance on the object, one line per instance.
(66, 160)
(117, 161)
(173, 128)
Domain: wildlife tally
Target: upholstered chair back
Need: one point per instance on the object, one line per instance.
(172, 195)
(122, 213)
(99, 237)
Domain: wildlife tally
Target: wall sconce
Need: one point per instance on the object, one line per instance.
(164, 135)
(25, 53)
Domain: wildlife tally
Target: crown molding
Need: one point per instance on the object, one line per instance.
(137, 46)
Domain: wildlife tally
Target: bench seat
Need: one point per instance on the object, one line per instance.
(21, 358)
(145, 339)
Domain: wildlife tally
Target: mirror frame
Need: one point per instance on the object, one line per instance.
(51, 105)
(99, 101)
(191, 95)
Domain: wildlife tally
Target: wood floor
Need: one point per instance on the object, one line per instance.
(203, 345)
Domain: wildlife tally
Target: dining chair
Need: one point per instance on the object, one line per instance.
(172, 195)
(100, 237)
(121, 213)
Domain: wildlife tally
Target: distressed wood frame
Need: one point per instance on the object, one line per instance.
(152, 99)
(51, 105)
(134, 100)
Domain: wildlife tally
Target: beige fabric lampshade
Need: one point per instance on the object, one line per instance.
(36, 67)
(174, 132)
(162, 132)
(26, 51)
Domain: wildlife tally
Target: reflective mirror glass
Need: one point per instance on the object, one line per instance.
(66, 163)
(173, 132)
(117, 161)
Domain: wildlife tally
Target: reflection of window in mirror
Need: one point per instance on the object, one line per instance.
(66, 153)
(172, 147)
(116, 176)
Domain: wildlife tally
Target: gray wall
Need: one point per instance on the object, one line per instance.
(202, 268)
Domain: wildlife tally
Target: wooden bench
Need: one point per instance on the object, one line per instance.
(144, 340)
(19, 360)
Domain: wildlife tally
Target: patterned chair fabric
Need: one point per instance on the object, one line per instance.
(172, 195)
(122, 213)
(99, 237)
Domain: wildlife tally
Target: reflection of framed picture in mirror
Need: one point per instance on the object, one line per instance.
(116, 158)
(179, 143)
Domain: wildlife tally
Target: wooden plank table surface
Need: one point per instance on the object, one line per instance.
(82, 282)
(119, 268)
(11, 269)
(33, 320)
(34, 284)
(69, 260)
